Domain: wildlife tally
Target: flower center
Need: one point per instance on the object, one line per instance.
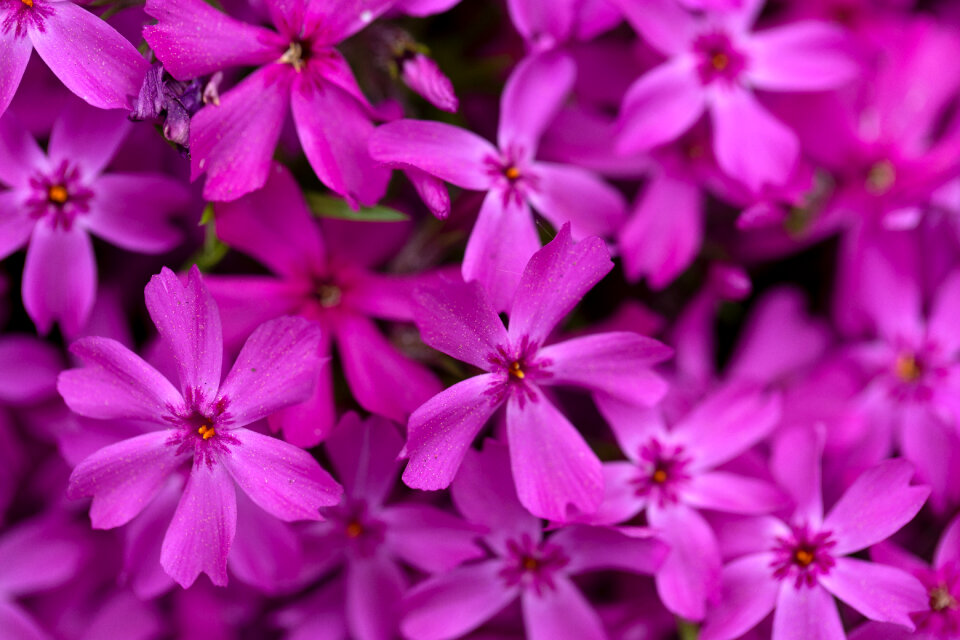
(803, 556)
(362, 531)
(57, 193)
(294, 56)
(532, 565)
(206, 432)
(717, 58)
(354, 529)
(907, 367)
(29, 3)
(512, 173)
(662, 472)
(59, 196)
(880, 178)
(329, 295)
(720, 60)
(516, 370)
(941, 599)
(660, 476)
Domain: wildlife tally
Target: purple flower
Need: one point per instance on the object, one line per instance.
(671, 475)
(326, 277)
(87, 54)
(299, 70)
(504, 236)
(557, 474)
(546, 26)
(714, 63)
(56, 200)
(793, 567)
(201, 424)
(524, 563)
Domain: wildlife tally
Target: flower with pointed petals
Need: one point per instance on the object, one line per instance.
(795, 568)
(504, 236)
(202, 425)
(323, 274)
(58, 199)
(299, 69)
(714, 64)
(91, 59)
(524, 564)
(557, 474)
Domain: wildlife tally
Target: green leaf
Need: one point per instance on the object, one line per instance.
(207, 216)
(687, 630)
(213, 250)
(324, 206)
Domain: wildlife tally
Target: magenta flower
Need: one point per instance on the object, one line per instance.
(371, 539)
(526, 564)
(325, 276)
(201, 425)
(546, 26)
(671, 475)
(504, 236)
(714, 64)
(56, 200)
(88, 56)
(557, 474)
(298, 69)
(796, 567)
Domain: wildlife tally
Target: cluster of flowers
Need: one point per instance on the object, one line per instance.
(520, 407)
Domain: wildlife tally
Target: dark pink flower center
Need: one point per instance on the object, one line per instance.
(915, 373)
(717, 59)
(662, 472)
(21, 14)
(532, 565)
(59, 197)
(358, 529)
(517, 368)
(511, 175)
(803, 556)
(943, 590)
(202, 430)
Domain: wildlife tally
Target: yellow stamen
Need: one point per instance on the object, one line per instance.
(516, 371)
(659, 476)
(56, 193)
(803, 557)
(354, 530)
(206, 432)
(941, 599)
(512, 173)
(720, 61)
(907, 368)
(530, 564)
(294, 56)
(881, 177)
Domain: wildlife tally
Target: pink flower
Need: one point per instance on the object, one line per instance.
(201, 425)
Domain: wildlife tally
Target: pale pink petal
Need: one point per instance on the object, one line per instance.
(87, 137)
(116, 383)
(375, 586)
(747, 595)
(664, 232)
(690, 576)
(91, 59)
(806, 613)
(276, 368)
(556, 473)
(364, 456)
(202, 530)
(456, 602)
(457, 319)
(452, 154)
(876, 505)
(233, 141)
(561, 191)
(660, 106)
(440, 432)
(598, 548)
(383, 380)
(134, 211)
(430, 538)
(553, 283)
(531, 98)
(618, 364)
(124, 477)
(501, 243)
(280, 478)
(879, 592)
(59, 278)
(750, 144)
(664, 24)
(560, 613)
(189, 324)
(14, 56)
(334, 130)
(731, 493)
(194, 39)
(800, 56)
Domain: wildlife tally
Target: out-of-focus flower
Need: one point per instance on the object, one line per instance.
(232, 141)
(557, 474)
(202, 425)
(58, 199)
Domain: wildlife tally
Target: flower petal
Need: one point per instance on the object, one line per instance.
(276, 368)
(556, 473)
(280, 478)
(553, 283)
(876, 505)
(560, 613)
(17, 624)
(531, 98)
(732, 493)
(617, 363)
(189, 324)
(91, 59)
(452, 154)
(20, 155)
(801, 56)
(879, 592)
(124, 477)
(37, 555)
(340, 19)
(59, 278)
(561, 191)
(14, 56)
(595, 548)
(15, 226)
(430, 538)
(87, 137)
(268, 554)
(807, 613)
(440, 432)
(246, 302)
(364, 456)
(32, 384)
(748, 594)
(153, 197)
(537, 21)
(942, 325)
(202, 530)
(308, 423)
(375, 586)
(664, 24)
(660, 106)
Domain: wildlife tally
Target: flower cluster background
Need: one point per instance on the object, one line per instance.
(483, 319)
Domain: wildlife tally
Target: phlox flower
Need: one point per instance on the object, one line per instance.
(556, 472)
(201, 425)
